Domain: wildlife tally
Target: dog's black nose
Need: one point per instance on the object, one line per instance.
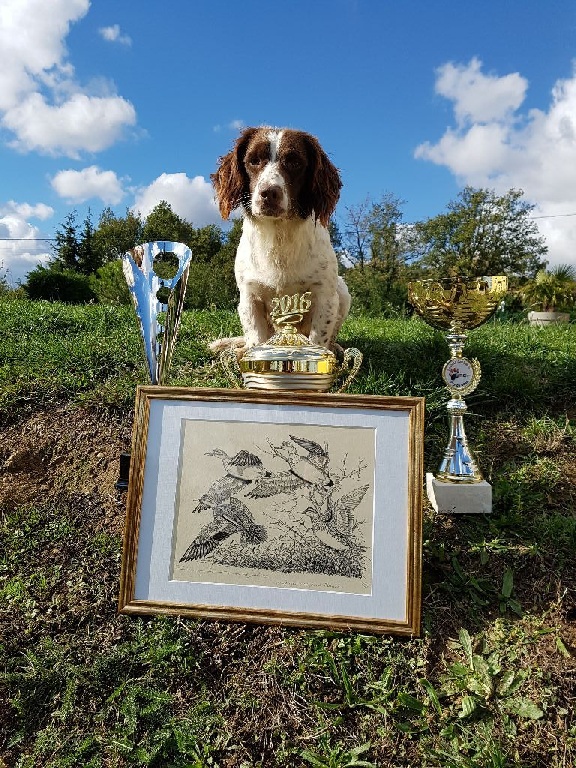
(272, 194)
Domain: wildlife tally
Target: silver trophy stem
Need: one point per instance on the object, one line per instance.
(458, 464)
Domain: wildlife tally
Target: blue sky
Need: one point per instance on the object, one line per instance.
(124, 103)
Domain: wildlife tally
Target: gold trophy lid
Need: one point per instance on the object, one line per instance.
(289, 360)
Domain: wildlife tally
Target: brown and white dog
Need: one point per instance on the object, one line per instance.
(288, 189)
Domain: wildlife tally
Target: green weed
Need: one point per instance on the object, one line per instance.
(483, 686)
(338, 757)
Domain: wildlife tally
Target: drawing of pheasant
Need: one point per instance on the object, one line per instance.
(333, 526)
(229, 518)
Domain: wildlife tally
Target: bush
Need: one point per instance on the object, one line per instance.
(109, 284)
(373, 295)
(211, 285)
(552, 291)
(63, 285)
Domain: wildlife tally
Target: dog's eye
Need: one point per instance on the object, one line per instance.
(255, 161)
(293, 161)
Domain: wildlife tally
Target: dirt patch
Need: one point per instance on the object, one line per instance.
(64, 452)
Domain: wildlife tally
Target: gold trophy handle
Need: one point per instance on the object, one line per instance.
(354, 356)
(231, 368)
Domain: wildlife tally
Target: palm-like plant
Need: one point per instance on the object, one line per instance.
(552, 290)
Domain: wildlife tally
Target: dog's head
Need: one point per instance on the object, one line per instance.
(277, 173)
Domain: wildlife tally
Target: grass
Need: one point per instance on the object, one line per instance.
(491, 681)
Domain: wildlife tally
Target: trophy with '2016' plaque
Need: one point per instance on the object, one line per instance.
(289, 360)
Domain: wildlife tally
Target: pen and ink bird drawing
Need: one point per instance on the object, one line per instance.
(229, 518)
(230, 514)
(333, 525)
(241, 471)
(297, 515)
(307, 468)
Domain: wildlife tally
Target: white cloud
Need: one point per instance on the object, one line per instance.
(82, 123)
(112, 34)
(192, 199)
(233, 125)
(24, 249)
(478, 97)
(26, 211)
(41, 104)
(494, 144)
(91, 182)
(32, 43)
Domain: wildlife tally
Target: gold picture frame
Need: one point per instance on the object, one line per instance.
(300, 509)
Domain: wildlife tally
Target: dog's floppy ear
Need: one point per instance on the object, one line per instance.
(322, 194)
(230, 180)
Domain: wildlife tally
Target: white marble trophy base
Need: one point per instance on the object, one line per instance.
(459, 498)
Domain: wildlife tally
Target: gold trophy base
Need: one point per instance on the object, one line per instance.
(459, 498)
(314, 382)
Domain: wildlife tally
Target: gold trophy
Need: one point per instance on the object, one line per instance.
(457, 305)
(289, 360)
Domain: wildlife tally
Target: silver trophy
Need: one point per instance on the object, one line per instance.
(158, 298)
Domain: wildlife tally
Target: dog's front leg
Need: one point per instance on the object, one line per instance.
(324, 322)
(253, 316)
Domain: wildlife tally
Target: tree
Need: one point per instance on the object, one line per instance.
(4, 287)
(88, 257)
(372, 234)
(109, 284)
(67, 246)
(482, 233)
(338, 244)
(552, 290)
(375, 245)
(386, 250)
(163, 224)
(74, 250)
(206, 242)
(356, 237)
(215, 286)
(114, 235)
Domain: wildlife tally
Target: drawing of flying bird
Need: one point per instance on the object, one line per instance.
(333, 527)
(244, 464)
(230, 518)
(241, 470)
(308, 469)
(316, 454)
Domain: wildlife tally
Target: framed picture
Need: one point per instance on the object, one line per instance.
(278, 508)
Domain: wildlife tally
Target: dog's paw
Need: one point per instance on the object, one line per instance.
(235, 343)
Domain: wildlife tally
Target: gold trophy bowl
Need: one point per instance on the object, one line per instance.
(289, 360)
(457, 305)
